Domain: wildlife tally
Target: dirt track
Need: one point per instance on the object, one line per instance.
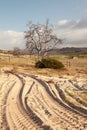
(38, 103)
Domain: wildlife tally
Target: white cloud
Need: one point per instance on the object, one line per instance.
(62, 22)
(10, 39)
(74, 32)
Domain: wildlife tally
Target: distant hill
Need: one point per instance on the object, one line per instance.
(73, 50)
(69, 50)
(66, 51)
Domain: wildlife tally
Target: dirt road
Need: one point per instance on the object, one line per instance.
(30, 102)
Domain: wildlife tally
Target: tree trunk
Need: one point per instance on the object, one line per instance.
(38, 55)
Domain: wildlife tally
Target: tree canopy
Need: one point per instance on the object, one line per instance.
(40, 38)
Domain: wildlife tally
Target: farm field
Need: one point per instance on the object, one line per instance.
(43, 99)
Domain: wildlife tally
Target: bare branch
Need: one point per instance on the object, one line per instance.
(40, 38)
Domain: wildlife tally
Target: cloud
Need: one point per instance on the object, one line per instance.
(81, 24)
(10, 39)
(74, 32)
(64, 23)
(85, 11)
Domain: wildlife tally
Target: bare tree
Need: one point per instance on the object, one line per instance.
(40, 38)
(16, 51)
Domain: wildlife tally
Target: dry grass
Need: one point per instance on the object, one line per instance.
(26, 64)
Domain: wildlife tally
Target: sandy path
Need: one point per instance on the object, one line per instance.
(33, 103)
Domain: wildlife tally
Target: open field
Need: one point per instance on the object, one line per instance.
(73, 66)
(42, 99)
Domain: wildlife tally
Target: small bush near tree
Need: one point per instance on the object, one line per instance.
(49, 63)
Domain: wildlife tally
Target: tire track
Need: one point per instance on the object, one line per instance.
(29, 103)
(73, 121)
(20, 118)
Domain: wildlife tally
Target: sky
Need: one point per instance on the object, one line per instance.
(69, 18)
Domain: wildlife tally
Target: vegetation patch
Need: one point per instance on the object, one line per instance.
(49, 63)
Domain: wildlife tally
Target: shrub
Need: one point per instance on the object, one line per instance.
(49, 63)
(39, 64)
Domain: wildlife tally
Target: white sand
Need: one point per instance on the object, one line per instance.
(42, 104)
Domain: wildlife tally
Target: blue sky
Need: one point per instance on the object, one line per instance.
(15, 14)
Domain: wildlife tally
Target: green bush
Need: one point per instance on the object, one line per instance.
(39, 64)
(49, 63)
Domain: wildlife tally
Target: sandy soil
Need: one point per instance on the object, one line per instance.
(34, 102)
